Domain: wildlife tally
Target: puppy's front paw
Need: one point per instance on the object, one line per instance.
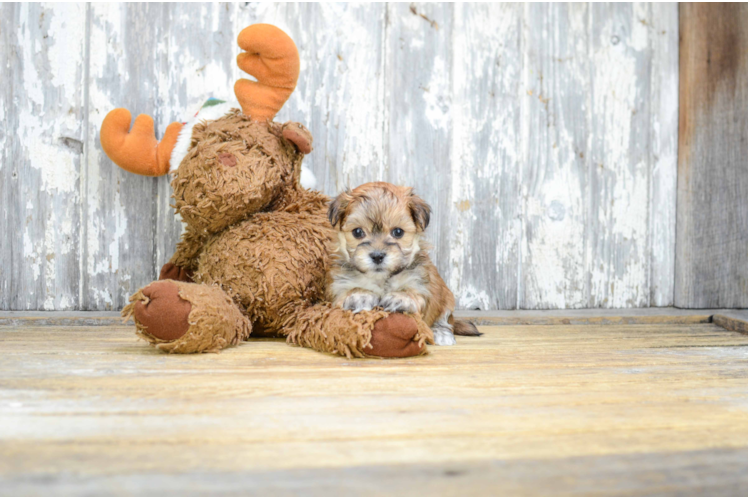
(398, 303)
(443, 336)
(358, 302)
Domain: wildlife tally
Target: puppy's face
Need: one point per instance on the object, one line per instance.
(379, 226)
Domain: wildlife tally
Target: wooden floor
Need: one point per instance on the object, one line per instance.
(552, 410)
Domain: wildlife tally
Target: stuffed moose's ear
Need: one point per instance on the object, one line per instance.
(299, 135)
(137, 150)
(420, 211)
(338, 206)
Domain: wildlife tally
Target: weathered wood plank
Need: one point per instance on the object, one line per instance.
(84, 407)
(63, 318)
(720, 473)
(712, 256)
(737, 321)
(7, 137)
(555, 147)
(593, 102)
(663, 161)
(480, 242)
(618, 158)
(44, 122)
(121, 208)
(407, 93)
(663, 315)
(630, 316)
(419, 101)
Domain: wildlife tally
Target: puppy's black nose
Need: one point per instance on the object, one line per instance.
(377, 257)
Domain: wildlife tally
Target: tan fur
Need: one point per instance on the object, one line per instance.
(406, 280)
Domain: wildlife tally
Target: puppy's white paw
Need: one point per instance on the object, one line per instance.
(443, 336)
(398, 303)
(358, 302)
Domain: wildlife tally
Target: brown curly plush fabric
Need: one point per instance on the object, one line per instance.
(256, 246)
(162, 327)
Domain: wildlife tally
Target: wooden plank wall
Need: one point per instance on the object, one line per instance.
(544, 136)
(712, 256)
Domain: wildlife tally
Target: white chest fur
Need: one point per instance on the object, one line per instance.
(382, 284)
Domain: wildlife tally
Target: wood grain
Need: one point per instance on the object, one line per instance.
(554, 178)
(480, 246)
(120, 241)
(559, 409)
(542, 135)
(619, 164)
(419, 100)
(712, 261)
(592, 158)
(631, 316)
(720, 473)
(663, 151)
(7, 183)
(43, 116)
(737, 321)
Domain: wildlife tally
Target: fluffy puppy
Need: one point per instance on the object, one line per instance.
(381, 260)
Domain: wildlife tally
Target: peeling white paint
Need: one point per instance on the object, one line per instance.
(617, 276)
(120, 229)
(4, 133)
(107, 52)
(31, 255)
(47, 89)
(460, 188)
(664, 153)
(470, 298)
(56, 164)
(437, 96)
(51, 230)
(353, 80)
(503, 102)
(640, 26)
(66, 30)
(34, 88)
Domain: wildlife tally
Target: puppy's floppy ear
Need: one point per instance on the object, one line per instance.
(338, 206)
(420, 211)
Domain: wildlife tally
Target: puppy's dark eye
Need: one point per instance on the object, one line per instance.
(397, 233)
(358, 233)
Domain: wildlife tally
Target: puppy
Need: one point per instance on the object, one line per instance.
(381, 260)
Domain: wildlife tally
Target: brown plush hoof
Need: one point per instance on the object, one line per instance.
(176, 273)
(165, 315)
(393, 337)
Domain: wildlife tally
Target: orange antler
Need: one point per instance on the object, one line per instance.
(272, 58)
(137, 151)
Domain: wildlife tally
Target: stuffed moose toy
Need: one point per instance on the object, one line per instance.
(254, 254)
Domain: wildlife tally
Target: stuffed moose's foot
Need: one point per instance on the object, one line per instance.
(395, 336)
(364, 334)
(184, 318)
(164, 315)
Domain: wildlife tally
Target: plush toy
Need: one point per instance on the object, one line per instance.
(254, 254)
